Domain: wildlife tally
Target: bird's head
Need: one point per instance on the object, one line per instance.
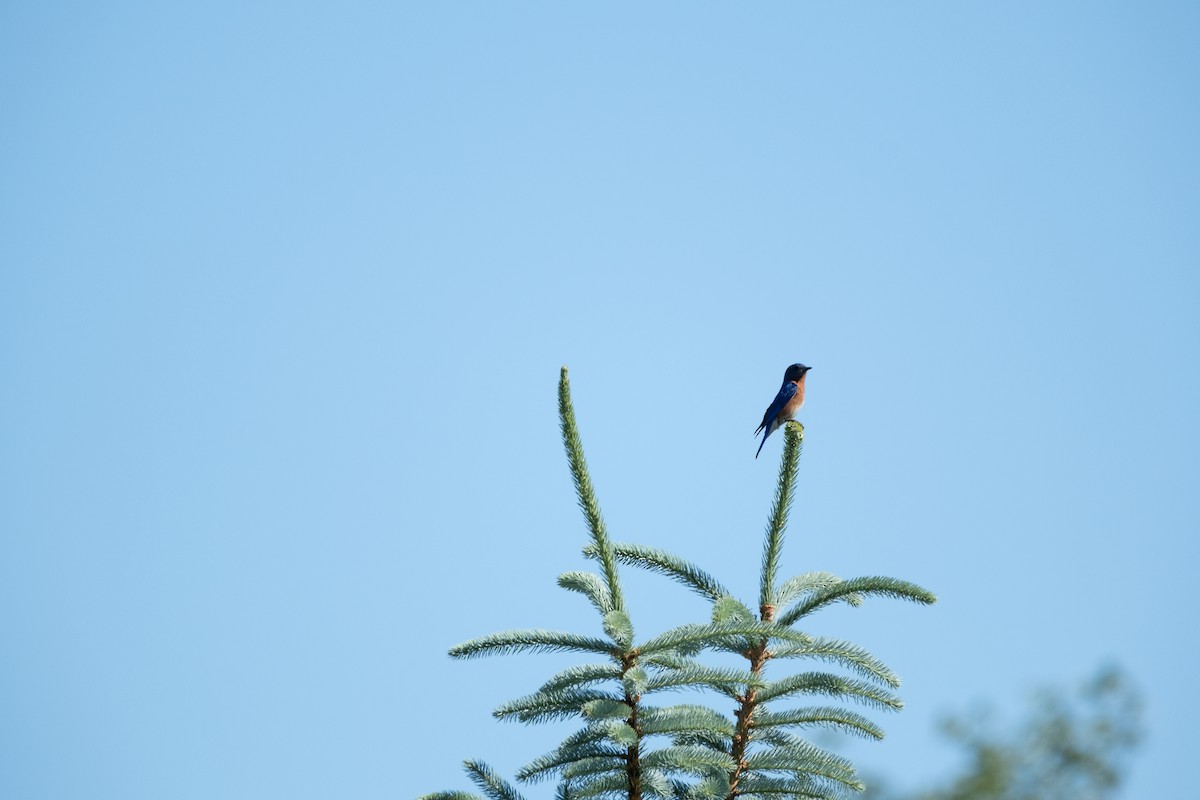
(795, 372)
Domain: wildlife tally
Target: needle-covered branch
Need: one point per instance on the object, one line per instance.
(664, 563)
(785, 490)
(857, 587)
(585, 491)
(531, 641)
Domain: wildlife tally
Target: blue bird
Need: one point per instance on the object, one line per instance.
(786, 404)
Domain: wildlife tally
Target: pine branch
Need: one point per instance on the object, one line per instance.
(696, 637)
(667, 659)
(491, 784)
(844, 653)
(619, 731)
(805, 759)
(870, 585)
(545, 766)
(729, 610)
(839, 718)
(713, 787)
(784, 492)
(607, 708)
(599, 765)
(792, 786)
(668, 564)
(680, 719)
(725, 680)
(713, 741)
(552, 705)
(656, 783)
(824, 683)
(450, 796)
(532, 640)
(619, 628)
(591, 734)
(634, 681)
(590, 586)
(585, 491)
(797, 585)
(732, 612)
(581, 675)
(602, 784)
(695, 760)
(777, 737)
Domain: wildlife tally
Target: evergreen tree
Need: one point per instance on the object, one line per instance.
(1073, 744)
(632, 747)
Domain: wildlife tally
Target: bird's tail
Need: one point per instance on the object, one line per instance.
(764, 441)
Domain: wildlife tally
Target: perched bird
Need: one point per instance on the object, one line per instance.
(786, 404)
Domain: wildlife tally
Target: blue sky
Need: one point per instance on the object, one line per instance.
(285, 288)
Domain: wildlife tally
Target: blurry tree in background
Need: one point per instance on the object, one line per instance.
(1071, 745)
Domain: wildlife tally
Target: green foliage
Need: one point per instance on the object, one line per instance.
(720, 679)
(797, 585)
(664, 563)
(856, 588)
(685, 719)
(551, 763)
(492, 785)
(606, 708)
(532, 641)
(829, 717)
(619, 628)
(845, 654)
(693, 638)
(636, 681)
(696, 760)
(629, 747)
(760, 744)
(1070, 744)
(731, 611)
(602, 784)
(805, 760)
(807, 786)
(550, 706)
(785, 490)
(591, 586)
(584, 490)
(830, 685)
(581, 675)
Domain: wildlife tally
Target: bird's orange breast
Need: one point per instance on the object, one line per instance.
(792, 407)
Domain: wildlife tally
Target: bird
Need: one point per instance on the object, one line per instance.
(786, 404)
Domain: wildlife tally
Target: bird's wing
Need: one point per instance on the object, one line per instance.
(786, 392)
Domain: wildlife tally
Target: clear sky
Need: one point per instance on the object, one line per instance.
(285, 288)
